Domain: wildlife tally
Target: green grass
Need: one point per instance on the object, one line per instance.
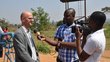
(108, 44)
(49, 34)
(42, 46)
(107, 34)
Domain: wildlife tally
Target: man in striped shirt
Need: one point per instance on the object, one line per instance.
(67, 50)
(66, 39)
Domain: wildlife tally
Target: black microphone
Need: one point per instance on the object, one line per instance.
(36, 32)
(39, 36)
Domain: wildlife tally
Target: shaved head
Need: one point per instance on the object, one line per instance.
(26, 18)
(25, 14)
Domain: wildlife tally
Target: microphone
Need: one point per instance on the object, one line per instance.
(39, 36)
(36, 32)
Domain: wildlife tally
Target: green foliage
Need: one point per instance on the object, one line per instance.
(59, 23)
(107, 30)
(3, 23)
(49, 33)
(42, 19)
(107, 34)
(43, 47)
(107, 43)
(106, 9)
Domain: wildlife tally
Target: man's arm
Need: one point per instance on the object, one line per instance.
(69, 45)
(81, 53)
(20, 49)
(58, 43)
(61, 44)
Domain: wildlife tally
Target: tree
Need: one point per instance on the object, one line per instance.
(41, 19)
(3, 22)
(59, 23)
(106, 9)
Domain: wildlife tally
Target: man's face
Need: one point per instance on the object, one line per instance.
(28, 19)
(91, 24)
(68, 17)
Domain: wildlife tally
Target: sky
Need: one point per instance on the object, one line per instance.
(11, 9)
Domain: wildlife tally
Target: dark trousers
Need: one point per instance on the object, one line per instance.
(1, 50)
(58, 60)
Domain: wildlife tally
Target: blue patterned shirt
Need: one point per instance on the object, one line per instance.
(65, 32)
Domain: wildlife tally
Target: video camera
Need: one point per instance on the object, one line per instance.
(83, 26)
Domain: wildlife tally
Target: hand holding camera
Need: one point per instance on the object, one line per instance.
(78, 33)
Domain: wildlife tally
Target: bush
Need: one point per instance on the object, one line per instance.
(107, 30)
(107, 34)
(43, 47)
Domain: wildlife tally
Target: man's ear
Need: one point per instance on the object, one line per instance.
(94, 23)
(22, 20)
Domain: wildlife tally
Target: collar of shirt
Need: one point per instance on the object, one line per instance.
(70, 25)
(26, 30)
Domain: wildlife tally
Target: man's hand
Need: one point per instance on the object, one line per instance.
(78, 33)
(41, 37)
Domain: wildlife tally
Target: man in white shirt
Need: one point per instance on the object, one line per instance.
(95, 41)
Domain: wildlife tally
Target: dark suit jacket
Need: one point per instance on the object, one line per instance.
(23, 52)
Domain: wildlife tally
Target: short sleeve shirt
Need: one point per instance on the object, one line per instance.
(65, 33)
(95, 45)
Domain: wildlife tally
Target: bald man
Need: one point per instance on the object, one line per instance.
(25, 50)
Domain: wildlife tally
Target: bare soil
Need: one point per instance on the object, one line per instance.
(52, 57)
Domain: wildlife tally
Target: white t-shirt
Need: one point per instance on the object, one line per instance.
(95, 45)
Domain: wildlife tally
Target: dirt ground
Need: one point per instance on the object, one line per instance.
(52, 57)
